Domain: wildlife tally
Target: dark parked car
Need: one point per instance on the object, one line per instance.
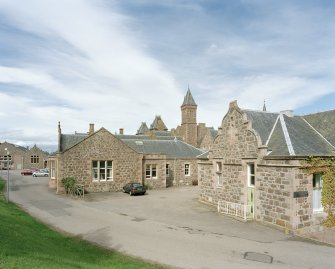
(28, 172)
(134, 188)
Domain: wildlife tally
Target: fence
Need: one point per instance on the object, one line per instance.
(238, 210)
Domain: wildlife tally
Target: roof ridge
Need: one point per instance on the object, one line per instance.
(286, 135)
(257, 110)
(333, 146)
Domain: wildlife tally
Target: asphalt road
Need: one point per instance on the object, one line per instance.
(167, 226)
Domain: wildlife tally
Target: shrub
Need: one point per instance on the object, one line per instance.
(69, 183)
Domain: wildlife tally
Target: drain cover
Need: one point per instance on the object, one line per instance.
(258, 257)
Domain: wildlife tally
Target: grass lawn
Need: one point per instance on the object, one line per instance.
(27, 243)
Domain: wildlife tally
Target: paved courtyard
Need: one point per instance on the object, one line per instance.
(168, 226)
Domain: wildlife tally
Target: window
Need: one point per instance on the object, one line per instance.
(6, 158)
(251, 175)
(219, 167)
(151, 171)
(102, 170)
(187, 169)
(219, 173)
(317, 181)
(35, 159)
(53, 169)
(317, 193)
(148, 171)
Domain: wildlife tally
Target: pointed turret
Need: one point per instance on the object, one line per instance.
(143, 129)
(188, 99)
(158, 124)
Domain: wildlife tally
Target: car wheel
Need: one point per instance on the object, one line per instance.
(123, 191)
(34, 175)
(130, 193)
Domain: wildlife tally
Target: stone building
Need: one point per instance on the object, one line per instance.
(191, 132)
(105, 162)
(254, 168)
(21, 157)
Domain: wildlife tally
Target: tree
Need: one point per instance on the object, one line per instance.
(326, 167)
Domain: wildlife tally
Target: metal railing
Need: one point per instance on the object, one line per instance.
(238, 210)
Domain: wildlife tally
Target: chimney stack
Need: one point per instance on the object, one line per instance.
(91, 130)
(121, 131)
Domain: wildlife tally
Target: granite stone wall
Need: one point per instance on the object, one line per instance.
(102, 145)
(276, 180)
(160, 180)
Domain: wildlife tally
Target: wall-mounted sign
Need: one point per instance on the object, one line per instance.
(300, 194)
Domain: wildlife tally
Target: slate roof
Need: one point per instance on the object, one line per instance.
(324, 123)
(69, 140)
(171, 148)
(143, 129)
(147, 137)
(262, 122)
(188, 99)
(213, 132)
(158, 124)
(295, 135)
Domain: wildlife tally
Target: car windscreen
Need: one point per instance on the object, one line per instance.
(137, 185)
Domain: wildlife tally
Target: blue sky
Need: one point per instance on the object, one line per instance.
(118, 63)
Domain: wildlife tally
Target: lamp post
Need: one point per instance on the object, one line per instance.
(7, 174)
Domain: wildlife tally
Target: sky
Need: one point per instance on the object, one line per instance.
(119, 63)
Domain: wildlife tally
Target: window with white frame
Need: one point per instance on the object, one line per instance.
(102, 170)
(167, 172)
(150, 171)
(35, 159)
(251, 174)
(219, 174)
(187, 171)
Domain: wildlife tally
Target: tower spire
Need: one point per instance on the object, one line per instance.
(264, 107)
(188, 99)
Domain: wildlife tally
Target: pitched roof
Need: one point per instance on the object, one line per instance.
(305, 140)
(171, 148)
(293, 135)
(188, 99)
(69, 140)
(158, 124)
(324, 123)
(143, 129)
(262, 122)
(148, 137)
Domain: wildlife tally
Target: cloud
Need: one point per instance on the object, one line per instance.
(91, 62)
(118, 63)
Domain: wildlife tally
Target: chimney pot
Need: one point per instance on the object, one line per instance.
(121, 131)
(91, 130)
